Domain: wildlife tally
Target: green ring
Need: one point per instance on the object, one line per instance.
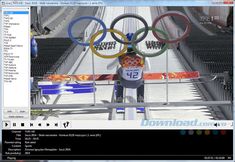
(148, 54)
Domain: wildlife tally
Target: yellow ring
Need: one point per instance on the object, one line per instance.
(92, 47)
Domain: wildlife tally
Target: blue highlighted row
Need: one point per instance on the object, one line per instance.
(66, 86)
(67, 91)
(15, 12)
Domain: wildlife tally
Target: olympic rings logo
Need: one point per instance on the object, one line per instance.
(135, 38)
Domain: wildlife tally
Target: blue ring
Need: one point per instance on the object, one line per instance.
(82, 18)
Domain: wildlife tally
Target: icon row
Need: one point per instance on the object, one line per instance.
(8, 124)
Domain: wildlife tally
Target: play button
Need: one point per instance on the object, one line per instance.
(6, 124)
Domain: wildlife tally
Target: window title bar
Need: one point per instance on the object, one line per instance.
(117, 3)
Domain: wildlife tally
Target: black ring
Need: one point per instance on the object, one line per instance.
(129, 15)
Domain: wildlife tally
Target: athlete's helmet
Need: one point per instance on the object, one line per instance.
(129, 36)
(129, 47)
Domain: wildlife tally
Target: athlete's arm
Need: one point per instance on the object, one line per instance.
(113, 64)
(147, 65)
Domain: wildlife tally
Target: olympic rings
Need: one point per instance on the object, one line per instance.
(172, 13)
(135, 39)
(108, 56)
(82, 18)
(129, 16)
(149, 54)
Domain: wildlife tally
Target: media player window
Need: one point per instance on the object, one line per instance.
(123, 81)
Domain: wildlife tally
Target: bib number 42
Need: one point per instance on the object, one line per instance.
(132, 74)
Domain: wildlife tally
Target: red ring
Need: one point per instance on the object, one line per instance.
(172, 13)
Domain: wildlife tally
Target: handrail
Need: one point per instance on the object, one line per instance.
(134, 105)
